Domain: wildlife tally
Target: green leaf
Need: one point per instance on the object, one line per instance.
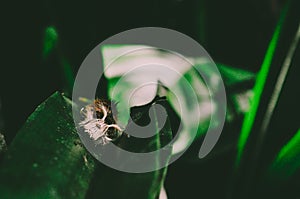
(287, 161)
(47, 160)
(113, 184)
(50, 41)
(52, 46)
(258, 89)
(233, 76)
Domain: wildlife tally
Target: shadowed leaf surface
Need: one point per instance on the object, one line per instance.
(110, 183)
(47, 160)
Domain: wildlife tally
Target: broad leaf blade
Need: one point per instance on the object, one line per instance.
(46, 159)
(110, 183)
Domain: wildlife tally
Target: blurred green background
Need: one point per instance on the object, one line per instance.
(235, 33)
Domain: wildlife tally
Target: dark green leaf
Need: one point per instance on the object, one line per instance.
(47, 160)
(113, 184)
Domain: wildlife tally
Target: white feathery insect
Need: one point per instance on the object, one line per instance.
(99, 122)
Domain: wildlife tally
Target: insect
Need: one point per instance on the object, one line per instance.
(99, 122)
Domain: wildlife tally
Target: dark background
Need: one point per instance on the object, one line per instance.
(233, 32)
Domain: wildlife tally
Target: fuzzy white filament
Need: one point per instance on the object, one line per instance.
(96, 127)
